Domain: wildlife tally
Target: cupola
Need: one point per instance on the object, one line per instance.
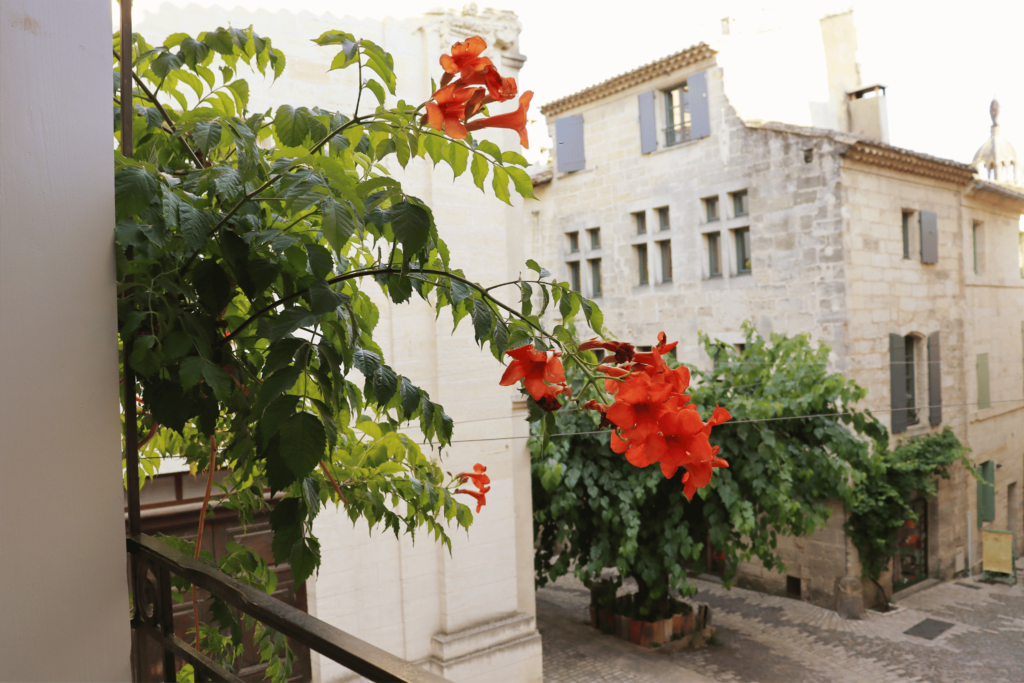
(996, 160)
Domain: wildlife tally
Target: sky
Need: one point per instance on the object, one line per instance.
(942, 63)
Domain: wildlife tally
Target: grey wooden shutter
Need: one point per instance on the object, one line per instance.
(934, 381)
(984, 400)
(898, 382)
(929, 237)
(648, 131)
(700, 118)
(569, 142)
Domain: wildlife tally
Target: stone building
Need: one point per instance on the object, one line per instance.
(468, 615)
(751, 179)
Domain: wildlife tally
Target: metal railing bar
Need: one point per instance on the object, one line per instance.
(188, 653)
(343, 648)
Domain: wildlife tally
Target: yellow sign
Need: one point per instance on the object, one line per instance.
(997, 551)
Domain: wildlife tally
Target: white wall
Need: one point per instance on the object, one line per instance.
(63, 585)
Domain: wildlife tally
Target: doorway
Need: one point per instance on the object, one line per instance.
(911, 562)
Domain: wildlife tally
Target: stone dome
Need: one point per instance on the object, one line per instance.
(996, 159)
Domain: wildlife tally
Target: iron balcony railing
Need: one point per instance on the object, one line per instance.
(154, 562)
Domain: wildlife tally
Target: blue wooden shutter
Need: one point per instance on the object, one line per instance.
(898, 382)
(648, 131)
(700, 119)
(934, 381)
(929, 237)
(569, 143)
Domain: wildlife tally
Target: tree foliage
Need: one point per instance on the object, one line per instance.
(595, 510)
(880, 505)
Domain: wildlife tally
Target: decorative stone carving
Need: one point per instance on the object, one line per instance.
(500, 28)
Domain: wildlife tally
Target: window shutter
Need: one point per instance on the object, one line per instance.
(648, 129)
(984, 400)
(934, 381)
(929, 237)
(987, 492)
(700, 118)
(898, 383)
(569, 143)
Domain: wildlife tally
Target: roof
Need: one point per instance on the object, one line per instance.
(647, 72)
(876, 153)
(1000, 190)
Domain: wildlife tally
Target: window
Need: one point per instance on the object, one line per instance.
(663, 223)
(641, 262)
(987, 492)
(911, 379)
(714, 256)
(1021, 249)
(574, 242)
(595, 238)
(574, 275)
(595, 277)
(928, 221)
(644, 349)
(984, 400)
(569, 144)
(906, 234)
(641, 222)
(677, 115)
(666, 260)
(742, 237)
(711, 209)
(975, 228)
(739, 203)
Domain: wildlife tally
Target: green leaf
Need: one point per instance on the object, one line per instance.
(320, 262)
(366, 362)
(195, 368)
(527, 298)
(338, 223)
(500, 184)
(460, 291)
(275, 385)
(195, 225)
(304, 559)
(324, 299)
(291, 125)
(376, 89)
(290, 320)
(482, 321)
(514, 158)
(213, 286)
(279, 410)
(491, 149)
(595, 318)
(286, 521)
(303, 443)
(134, 189)
(410, 397)
(411, 226)
(385, 383)
(480, 167)
(193, 51)
(523, 183)
(458, 158)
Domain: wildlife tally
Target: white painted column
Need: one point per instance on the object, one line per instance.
(63, 586)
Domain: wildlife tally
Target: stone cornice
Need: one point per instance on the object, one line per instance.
(886, 156)
(647, 72)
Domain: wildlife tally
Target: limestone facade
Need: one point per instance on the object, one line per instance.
(467, 615)
(781, 174)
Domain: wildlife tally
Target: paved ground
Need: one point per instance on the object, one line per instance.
(766, 639)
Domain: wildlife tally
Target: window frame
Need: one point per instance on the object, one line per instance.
(574, 241)
(643, 265)
(596, 284)
(664, 219)
(709, 203)
(910, 361)
(640, 221)
(685, 123)
(740, 197)
(575, 276)
(714, 246)
(741, 238)
(595, 238)
(906, 233)
(665, 250)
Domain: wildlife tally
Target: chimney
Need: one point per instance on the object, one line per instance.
(867, 113)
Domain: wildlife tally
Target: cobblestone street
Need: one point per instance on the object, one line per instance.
(765, 638)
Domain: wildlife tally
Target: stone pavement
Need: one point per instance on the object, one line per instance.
(766, 638)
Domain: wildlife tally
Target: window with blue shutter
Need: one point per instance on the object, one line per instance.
(987, 492)
(648, 127)
(929, 237)
(898, 382)
(569, 143)
(700, 118)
